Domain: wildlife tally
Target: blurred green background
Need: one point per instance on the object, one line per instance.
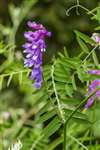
(52, 14)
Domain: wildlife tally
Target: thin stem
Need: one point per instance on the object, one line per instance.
(15, 72)
(90, 53)
(81, 104)
(36, 142)
(68, 10)
(93, 50)
(77, 12)
(78, 142)
(51, 100)
(56, 95)
(78, 5)
(47, 91)
(89, 12)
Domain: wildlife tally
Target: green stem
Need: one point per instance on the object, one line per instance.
(81, 104)
(56, 95)
(49, 96)
(80, 6)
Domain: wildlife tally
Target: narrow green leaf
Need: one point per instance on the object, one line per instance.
(9, 80)
(80, 74)
(52, 127)
(74, 83)
(44, 108)
(61, 55)
(78, 116)
(70, 101)
(69, 90)
(70, 62)
(1, 81)
(55, 143)
(97, 28)
(46, 116)
(60, 86)
(60, 74)
(83, 45)
(28, 72)
(66, 52)
(86, 38)
(95, 58)
(20, 77)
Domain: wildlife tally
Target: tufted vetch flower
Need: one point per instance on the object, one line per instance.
(92, 87)
(34, 48)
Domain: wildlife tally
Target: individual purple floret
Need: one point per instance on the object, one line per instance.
(89, 102)
(92, 87)
(96, 72)
(34, 48)
(96, 37)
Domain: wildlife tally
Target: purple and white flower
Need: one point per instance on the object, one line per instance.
(96, 37)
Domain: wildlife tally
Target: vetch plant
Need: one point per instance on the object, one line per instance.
(51, 117)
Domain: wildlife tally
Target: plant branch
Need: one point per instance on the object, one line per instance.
(81, 104)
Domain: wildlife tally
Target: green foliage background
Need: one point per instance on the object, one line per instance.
(38, 117)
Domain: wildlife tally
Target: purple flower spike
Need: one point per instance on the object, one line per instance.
(34, 48)
(94, 84)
